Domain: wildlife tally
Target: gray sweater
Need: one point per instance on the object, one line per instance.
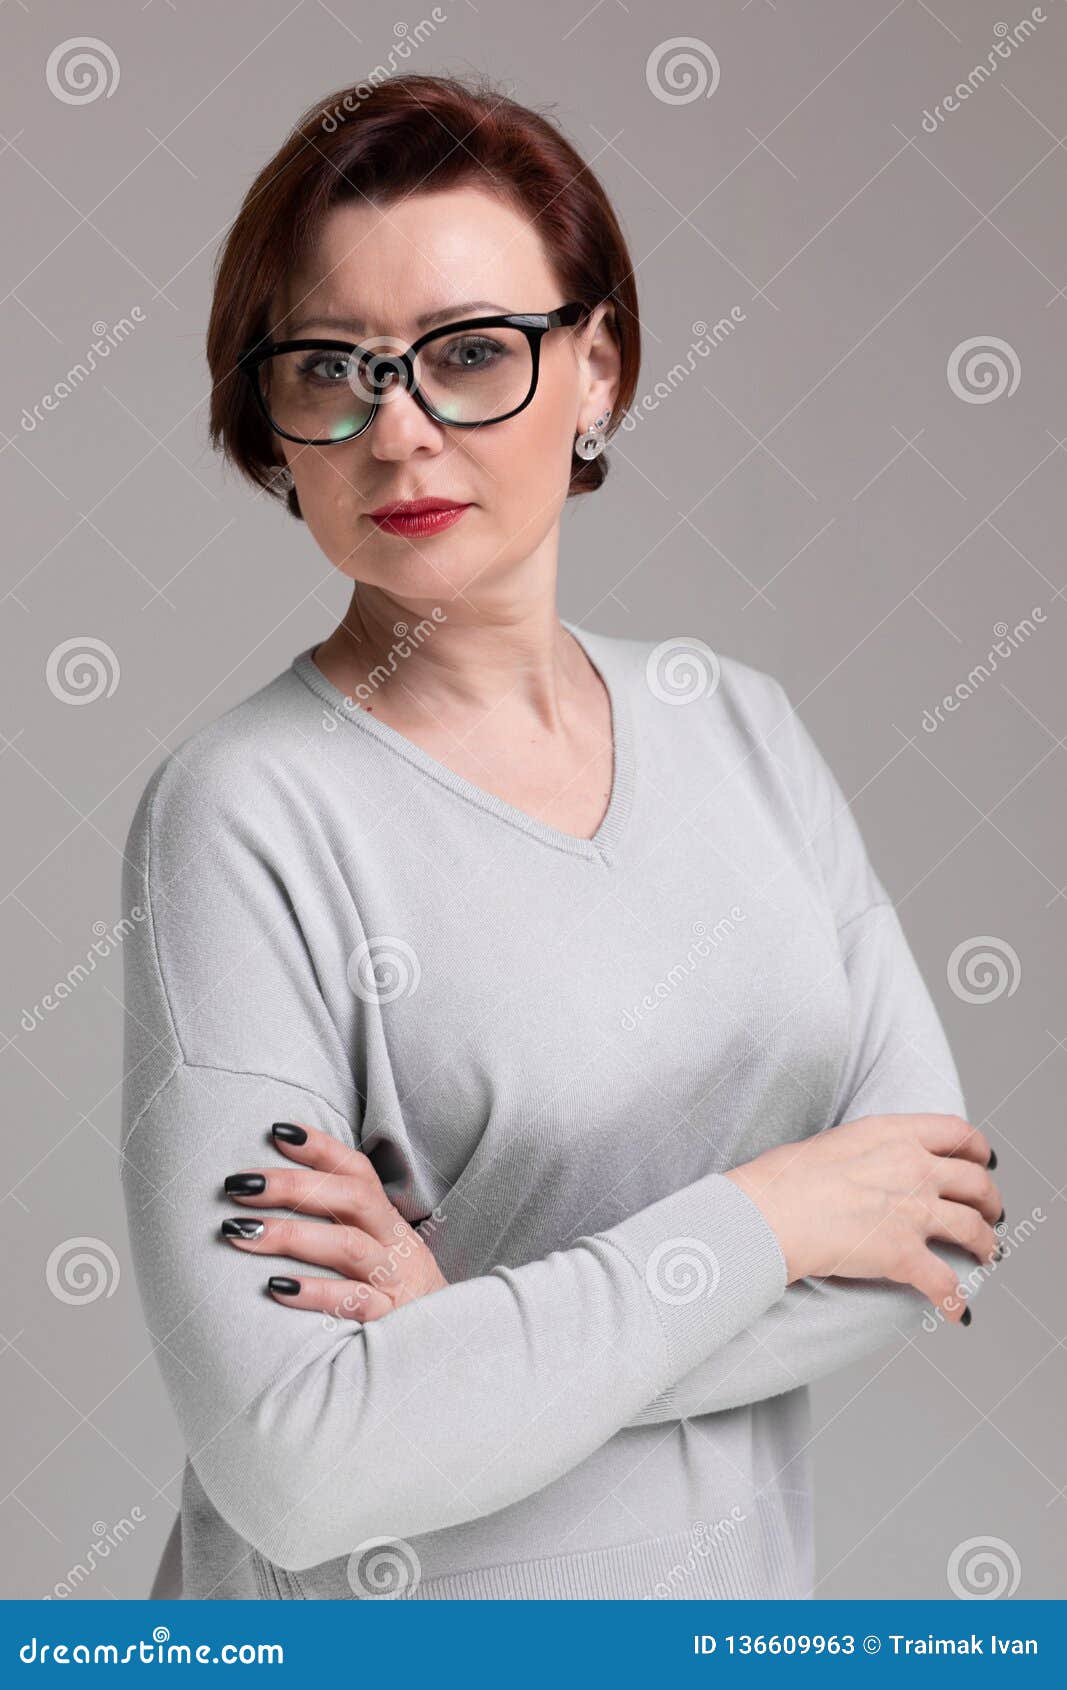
(551, 1048)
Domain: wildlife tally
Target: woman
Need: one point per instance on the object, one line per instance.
(530, 1089)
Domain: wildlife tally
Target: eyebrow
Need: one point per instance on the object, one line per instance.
(468, 308)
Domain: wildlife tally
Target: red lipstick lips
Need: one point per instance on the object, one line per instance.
(417, 516)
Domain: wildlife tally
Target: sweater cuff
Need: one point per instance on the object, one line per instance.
(710, 1263)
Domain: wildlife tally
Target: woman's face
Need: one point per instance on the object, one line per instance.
(372, 275)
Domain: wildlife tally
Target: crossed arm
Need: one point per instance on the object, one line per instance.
(309, 1437)
(898, 1062)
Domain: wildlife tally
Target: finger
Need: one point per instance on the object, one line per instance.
(951, 1135)
(339, 1297)
(958, 1223)
(317, 1149)
(936, 1281)
(344, 1248)
(303, 1189)
(966, 1182)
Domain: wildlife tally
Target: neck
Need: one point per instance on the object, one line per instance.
(405, 659)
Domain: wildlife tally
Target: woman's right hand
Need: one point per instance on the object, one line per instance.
(861, 1199)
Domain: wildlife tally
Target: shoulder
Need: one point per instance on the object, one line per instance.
(741, 713)
(683, 668)
(237, 772)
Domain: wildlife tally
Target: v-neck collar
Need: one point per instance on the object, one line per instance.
(603, 844)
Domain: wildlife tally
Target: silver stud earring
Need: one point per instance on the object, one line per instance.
(281, 478)
(592, 442)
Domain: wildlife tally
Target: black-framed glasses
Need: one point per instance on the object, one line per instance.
(467, 375)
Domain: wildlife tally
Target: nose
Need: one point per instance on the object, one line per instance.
(401, 426)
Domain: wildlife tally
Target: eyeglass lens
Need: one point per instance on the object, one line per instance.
(472, 377)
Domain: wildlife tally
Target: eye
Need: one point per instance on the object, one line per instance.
(472, 352)
(329, 368)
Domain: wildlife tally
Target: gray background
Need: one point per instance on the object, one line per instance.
(812, 497)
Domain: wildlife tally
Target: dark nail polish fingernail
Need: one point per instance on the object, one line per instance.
(992, 1159)
(287, 1287)
(245, 1185)
(240, 1226)
(289, 1133)
(1000, 1218)
(965, 1318)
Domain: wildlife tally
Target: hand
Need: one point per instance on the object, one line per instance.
(860, 1200)
(382, 1261)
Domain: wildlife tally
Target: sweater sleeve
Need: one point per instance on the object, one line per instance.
(898, 1062)
(310, 1434)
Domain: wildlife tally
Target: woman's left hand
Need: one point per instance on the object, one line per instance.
(380, 1259)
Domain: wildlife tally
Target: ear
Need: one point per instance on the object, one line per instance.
(601, 365)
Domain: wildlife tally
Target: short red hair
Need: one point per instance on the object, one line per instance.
(409, 133)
